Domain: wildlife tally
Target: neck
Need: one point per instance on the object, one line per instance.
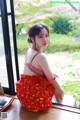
(36, 49)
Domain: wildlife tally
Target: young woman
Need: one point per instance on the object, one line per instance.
(38, 84)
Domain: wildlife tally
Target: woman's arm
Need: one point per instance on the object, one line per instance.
(48, 73)
(43, 63)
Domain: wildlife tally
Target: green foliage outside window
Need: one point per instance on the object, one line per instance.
(73, 88)
(61, 25)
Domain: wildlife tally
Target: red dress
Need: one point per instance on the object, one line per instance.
(35, 92)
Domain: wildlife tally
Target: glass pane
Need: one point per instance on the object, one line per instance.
(0, 11)
(8, 6)
(3, 69)
(12, 47)
(65, 64)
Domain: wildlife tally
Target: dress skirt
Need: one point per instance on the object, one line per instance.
(35, 92)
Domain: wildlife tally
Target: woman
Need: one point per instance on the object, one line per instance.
(38, 84)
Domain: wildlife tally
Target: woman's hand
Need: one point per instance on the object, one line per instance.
(59, 93)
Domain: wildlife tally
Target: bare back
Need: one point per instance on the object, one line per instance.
(40, 62)
(32, 57)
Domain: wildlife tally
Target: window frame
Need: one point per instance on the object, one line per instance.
(7, 48)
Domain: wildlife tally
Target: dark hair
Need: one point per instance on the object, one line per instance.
(35, 30)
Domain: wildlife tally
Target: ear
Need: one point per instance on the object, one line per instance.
(32, 39)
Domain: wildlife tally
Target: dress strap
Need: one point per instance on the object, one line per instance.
(34, 56)
(34, 69)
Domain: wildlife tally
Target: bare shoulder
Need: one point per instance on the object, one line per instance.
(42, 56)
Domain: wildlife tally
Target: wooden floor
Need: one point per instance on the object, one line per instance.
(18, 112)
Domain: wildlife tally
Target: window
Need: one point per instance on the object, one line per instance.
(64, 63)
(8, 53)
(27, 13)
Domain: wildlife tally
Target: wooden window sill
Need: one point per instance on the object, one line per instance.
(18, 112)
